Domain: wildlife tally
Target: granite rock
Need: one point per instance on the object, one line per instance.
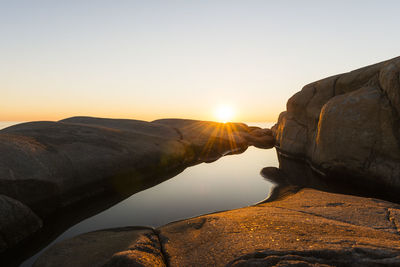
(111, 247)
(348, 124)
(309, 228)
(49, 166)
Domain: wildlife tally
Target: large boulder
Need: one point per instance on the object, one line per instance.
(348, 124)
(309, 228)
(87, 164)
(49, 165)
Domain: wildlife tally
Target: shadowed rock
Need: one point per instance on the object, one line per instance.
(100, 245)
(50, 166)
(17, 221)
(348, 124)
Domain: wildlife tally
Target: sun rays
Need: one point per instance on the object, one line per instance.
(221, 138)
(224, 113)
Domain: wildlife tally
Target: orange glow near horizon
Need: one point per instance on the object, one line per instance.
(51, 111)
(224, 113)
(218, 115)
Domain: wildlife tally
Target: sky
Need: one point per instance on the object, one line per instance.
(161, 59)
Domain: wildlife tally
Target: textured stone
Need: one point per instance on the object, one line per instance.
(146, 252)
(310, 227)
(348, 124)
(112, 247)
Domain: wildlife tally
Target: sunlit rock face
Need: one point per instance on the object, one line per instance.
(309, 228)
(348, 124)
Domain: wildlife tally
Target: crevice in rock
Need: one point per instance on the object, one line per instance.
(314, 214)
(314, 92)
(178, 132)
(198, 224)
(328, 218)
(334, 86)
(391, 219)
(303, 158)
(299, 123)
(357, 256)
(395, 114)
(162, 250)
(371, 156)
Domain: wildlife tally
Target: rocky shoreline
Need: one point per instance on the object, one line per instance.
(55, 174)
(343, 131)
(309, 228)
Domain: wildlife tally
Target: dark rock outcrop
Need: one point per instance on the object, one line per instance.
(348, 124)
(49, 166)
(17, 221)
(309, 228)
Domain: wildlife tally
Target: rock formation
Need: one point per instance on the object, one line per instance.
(309, 228)
(48, 166)
(348, 125)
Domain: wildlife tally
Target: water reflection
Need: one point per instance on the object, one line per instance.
(231, 182)
(295, 174)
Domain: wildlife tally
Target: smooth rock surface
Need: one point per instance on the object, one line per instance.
(50, 166)
(17, 222)
(77, 157)
(95, 248)
(348, 124)
(309, 228)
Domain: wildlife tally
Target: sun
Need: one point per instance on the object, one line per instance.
(224, 113)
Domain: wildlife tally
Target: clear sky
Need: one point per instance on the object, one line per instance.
(156, 59)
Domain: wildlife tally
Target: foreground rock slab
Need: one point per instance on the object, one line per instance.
(348, 124)
(98, 248)
(310, 228)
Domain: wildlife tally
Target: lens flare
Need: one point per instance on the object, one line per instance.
(224, 113)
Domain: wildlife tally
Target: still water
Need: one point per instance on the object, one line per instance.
(231, 182)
